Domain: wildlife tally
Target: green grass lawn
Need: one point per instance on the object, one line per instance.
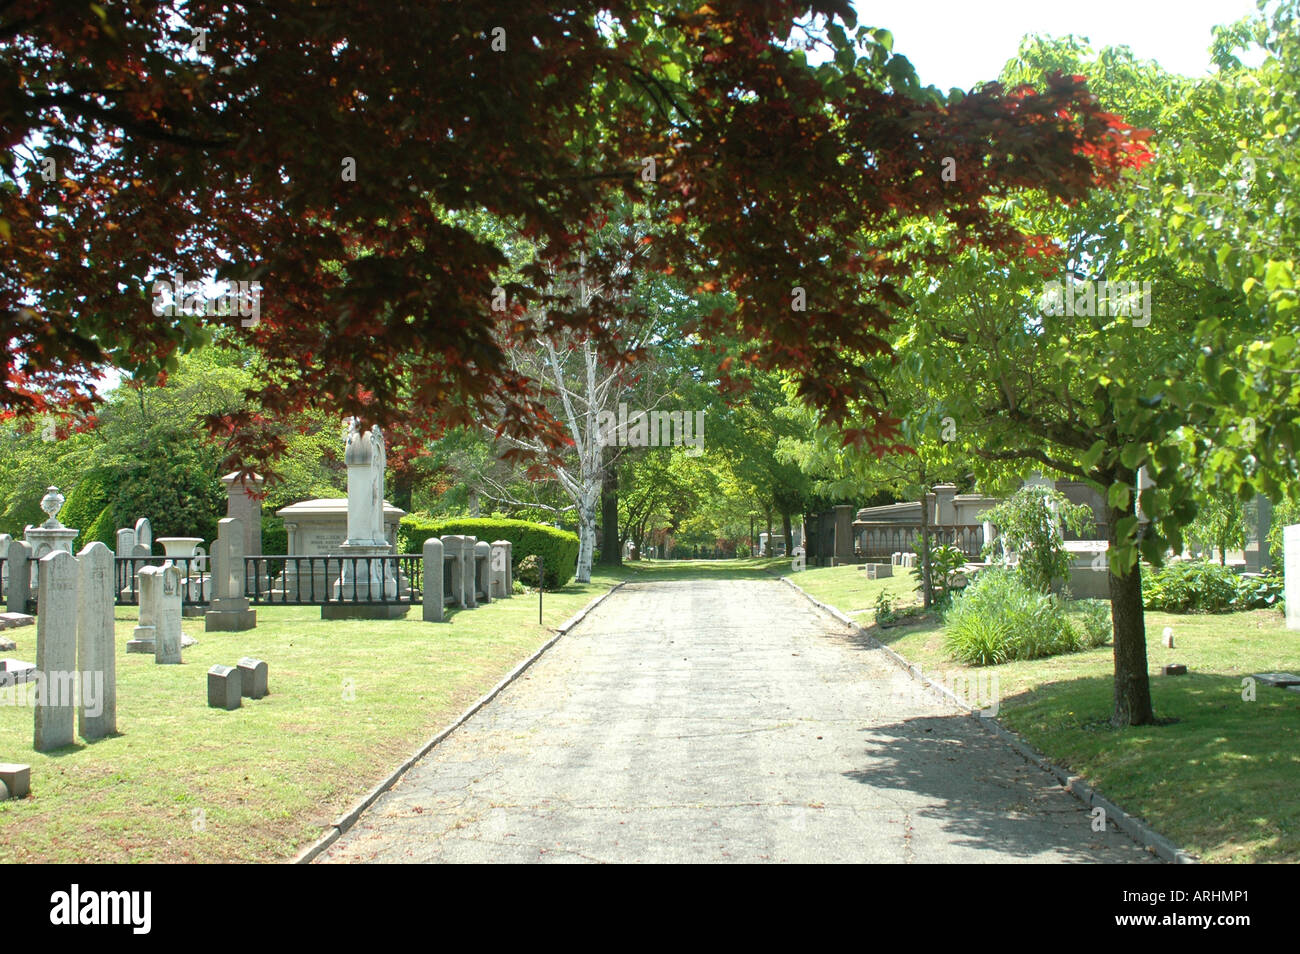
(349, 701)
(1218, 775)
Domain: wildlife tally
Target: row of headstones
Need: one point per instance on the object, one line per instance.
(464, 571)
(18, 556)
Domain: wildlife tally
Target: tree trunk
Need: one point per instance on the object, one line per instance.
(1132, 680)
(586, 540)
(611, 547)
(770, 548)
(789, 535)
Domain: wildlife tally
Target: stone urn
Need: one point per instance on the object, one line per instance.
(182, 547)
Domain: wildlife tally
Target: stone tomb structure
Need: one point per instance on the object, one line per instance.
(318, 528)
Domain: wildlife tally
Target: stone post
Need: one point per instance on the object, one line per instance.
(483, 571)
(433, 612)
(229, 611)
(469, 572)
(96, 647)
(56, 651)
(246, 508)
(502, 569)
(5, 540)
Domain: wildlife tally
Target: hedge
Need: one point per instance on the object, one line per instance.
(558, 548)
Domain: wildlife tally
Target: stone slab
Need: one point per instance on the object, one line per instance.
(225, 686)
(14, 620)
(1173, 669)
(14, 672)
(229, 621)
(1280, 679)
(361, 611)
(253, 677)
(17, 778)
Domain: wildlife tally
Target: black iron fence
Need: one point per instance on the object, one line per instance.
(317, 580)
(196, 581)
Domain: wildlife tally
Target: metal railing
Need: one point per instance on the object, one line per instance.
(317, 580)
(196, 583)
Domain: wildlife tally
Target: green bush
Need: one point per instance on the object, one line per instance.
(85, 505)
(558, 547)
(527, 573)
(1203, 586)
(1000, 617)
(275, 539)
(1094, 621)
(102, 530)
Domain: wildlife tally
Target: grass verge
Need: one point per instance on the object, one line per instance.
(181, 782)
(1217, 775)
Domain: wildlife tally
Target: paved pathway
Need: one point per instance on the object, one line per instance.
(722, 721)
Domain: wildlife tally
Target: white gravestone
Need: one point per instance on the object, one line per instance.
(144, 535)
(18, 564)
(56, 651)
(144, 636)
(167, 618)
(5, 540)
(96, 649)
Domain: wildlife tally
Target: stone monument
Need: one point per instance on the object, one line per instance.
(364, 576)
(229, 611)
(243, 505)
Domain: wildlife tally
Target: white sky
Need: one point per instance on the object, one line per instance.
(955, 43)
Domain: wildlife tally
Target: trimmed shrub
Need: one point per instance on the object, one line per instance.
(275, 539)
(85, 505)
(102, 530)
(527, 573)
(559, 548)
(1000, 617)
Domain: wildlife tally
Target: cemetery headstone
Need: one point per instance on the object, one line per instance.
(96, 652)
(229, 611)
(167, 616)
(1279, 680)
(18, 564)
(253, 677)
(56, 651)
(225, 686)
(433, 580)
(144, 636)
(144, 535)
(125, 542)
(5, 540)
